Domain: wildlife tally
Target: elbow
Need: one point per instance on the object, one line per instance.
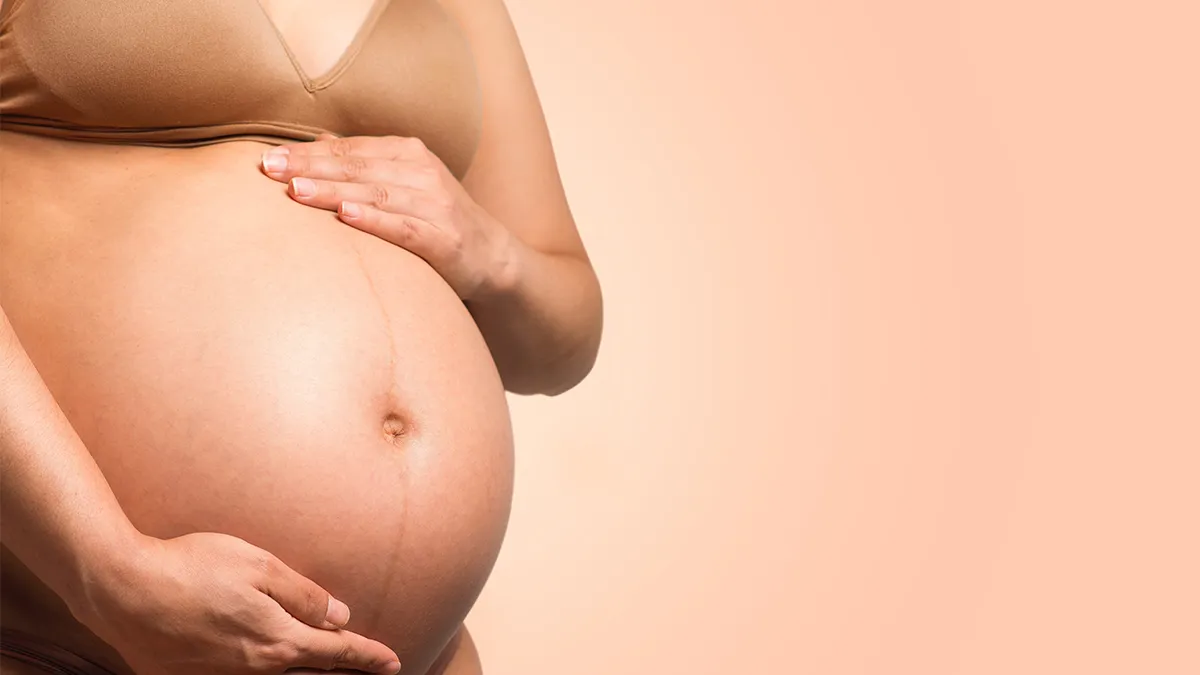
(552, 379)
(573, 371)
(580, 361)
(568, 367)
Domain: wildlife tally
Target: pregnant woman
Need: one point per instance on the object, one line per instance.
(266, 269)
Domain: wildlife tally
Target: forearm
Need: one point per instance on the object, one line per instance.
(543, 321)
(60, 517)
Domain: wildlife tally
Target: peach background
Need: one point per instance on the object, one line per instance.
(900, 372)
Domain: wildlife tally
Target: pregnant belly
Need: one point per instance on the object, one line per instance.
(242, 364)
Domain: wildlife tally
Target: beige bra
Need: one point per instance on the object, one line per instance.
(167, 73)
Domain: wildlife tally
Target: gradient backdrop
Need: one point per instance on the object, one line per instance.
(901, 370)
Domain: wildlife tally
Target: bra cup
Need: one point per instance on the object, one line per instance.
(186, 73)
(137, 64)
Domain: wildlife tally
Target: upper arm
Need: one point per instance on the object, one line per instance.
(514, 175)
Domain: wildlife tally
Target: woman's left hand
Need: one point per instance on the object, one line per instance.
(396, 189)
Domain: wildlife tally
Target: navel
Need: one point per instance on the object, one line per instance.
(396, 428)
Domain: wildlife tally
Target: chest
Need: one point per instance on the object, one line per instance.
(353, 67)
(318, 34)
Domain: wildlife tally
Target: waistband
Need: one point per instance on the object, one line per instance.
(49, 657)
(45, 655)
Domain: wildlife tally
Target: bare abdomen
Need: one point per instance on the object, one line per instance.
(239, 363)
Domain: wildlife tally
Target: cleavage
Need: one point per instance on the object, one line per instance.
(318, 33)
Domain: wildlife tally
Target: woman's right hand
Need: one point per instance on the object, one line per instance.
(193, 605)
(211, 603)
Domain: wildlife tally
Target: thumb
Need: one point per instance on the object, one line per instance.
(303, 598)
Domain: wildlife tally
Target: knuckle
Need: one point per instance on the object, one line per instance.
(430, 177)
(277, 654)
(290, 652)
(260, 657)
(340, 147)
(342, 657)
(248, 601)
(264, 563)
(414, 144)
(354, 167)
(379, 195)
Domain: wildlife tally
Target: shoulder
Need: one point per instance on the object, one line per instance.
(487, 23)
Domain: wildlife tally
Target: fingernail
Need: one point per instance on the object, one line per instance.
(338, 613)
(303, 187)
(391, 668)
(274, 162)
(350, 210)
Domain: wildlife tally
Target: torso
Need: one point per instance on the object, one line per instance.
(240, 363)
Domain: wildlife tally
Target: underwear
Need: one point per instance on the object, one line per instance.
(51, 658)
(181, 74)
(44, 655)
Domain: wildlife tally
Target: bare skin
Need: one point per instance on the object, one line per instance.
(537, 301)
(327, 398)
(61, 514)
(237, 361)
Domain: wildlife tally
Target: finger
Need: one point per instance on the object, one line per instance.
(303, 598)
(409, 232)
(385, 147)
(341, 649)
(350, 169)
(397, 199)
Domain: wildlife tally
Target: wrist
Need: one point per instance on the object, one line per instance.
(504, 275)
(104, 564)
